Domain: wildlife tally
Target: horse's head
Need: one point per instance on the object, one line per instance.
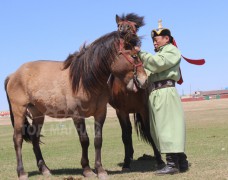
(129, 68)
(127, 27)
(129, 23)
(107, 55)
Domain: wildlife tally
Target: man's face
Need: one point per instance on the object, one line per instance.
(160, 41)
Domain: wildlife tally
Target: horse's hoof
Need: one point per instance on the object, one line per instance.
(88, 173)
(43, 168)
(124, 169)
(23, 177)
(103, 175)
(46, 173)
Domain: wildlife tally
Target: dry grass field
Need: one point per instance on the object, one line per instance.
(206, 147)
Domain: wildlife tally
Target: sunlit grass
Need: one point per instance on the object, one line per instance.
(206, 147)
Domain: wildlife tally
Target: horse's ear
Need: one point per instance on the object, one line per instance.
(117, 19)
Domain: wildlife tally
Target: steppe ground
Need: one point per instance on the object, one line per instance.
(206, 147)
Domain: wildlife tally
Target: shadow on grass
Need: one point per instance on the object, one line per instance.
(145, 163)
(142, 164)
(66, 171)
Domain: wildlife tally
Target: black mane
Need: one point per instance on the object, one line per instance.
(139, 20)
(91, 65)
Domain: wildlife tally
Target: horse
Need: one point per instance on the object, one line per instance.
(76, 87)
(126, 102)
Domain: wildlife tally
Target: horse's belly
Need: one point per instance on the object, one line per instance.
(62, 106)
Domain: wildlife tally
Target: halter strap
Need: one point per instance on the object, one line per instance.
(130, 59)
(125, 53)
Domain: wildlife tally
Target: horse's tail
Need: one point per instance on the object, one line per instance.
(10, 108)
(25, 133)
(142, 128)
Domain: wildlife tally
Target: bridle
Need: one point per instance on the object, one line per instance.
(130, 59)
(131, 29)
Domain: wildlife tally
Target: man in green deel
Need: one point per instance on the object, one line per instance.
(167, 124)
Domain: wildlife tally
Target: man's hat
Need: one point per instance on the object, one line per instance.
(166, 32)
(160, 31)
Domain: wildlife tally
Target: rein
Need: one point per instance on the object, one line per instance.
(126, 53)
(130, 59)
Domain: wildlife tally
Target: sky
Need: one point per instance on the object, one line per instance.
(53, 29)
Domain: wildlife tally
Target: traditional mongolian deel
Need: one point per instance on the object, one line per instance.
(164, 65)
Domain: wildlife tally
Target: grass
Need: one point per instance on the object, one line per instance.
(206, 147)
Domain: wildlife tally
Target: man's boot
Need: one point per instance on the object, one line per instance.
(171, 166)
(183, 162)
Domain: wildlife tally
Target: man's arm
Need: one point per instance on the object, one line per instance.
(161, 61)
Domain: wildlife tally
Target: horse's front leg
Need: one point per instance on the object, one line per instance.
(126, 127)
(99, 121)
(84, 140)
(37, 125)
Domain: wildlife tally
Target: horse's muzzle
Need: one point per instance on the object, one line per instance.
(135, 84)
(141, 82)
(131, 86)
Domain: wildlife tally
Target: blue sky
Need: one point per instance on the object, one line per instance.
(52, 29)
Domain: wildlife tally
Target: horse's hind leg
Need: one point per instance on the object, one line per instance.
(84, 140)
(126, 127)
(37, 123)
(18, 120)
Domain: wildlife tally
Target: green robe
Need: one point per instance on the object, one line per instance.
(167, 124)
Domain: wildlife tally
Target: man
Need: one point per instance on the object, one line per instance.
(167, 122)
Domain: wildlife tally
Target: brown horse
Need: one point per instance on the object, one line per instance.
(77, 88)
(126, 102)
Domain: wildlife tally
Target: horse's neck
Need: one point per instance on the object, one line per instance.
(118, 86)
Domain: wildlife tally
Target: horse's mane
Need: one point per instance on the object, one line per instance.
(91, 64)
(139, 20)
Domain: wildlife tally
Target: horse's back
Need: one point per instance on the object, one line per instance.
(35, 77)
(40, 66)
(34, 71)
